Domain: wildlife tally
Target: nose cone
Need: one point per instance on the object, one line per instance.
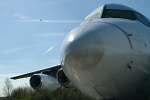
(82, 49)
(93, 58)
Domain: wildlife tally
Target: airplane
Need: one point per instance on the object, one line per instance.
(41, 20)
(107, 57)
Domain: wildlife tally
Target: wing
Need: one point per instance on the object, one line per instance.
(52, 68)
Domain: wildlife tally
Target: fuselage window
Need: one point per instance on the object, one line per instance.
(125, 14)
(142, 19)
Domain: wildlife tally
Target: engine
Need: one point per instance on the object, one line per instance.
(48, 80)
(43, 82)
(63, 80)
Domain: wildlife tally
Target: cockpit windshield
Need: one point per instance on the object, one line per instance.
(125, 14)
(116, 11)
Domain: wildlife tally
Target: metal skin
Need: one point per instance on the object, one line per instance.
(109, 59)
(43, 82)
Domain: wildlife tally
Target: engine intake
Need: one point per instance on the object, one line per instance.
(43, 82)
(35, 81)
(63, 80)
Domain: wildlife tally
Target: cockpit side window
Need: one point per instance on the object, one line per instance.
(142, 19)
(147, 19)
(125, 14)
(93, 17)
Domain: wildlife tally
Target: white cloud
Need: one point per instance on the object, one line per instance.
(48, 21)
(61, 21)
(1, 66)
(54, 2)
(21, 48)
(7, 75)
(18, 60)
(52, 34)
(14, 61)
(22, 18)
(54, 60)
(48, 50)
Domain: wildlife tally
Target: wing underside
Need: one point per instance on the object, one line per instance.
(52, 68)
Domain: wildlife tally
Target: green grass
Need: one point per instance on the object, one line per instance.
(24, 93)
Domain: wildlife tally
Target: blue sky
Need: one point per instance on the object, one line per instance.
(27, 44)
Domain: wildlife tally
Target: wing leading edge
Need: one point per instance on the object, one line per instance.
(57, 67)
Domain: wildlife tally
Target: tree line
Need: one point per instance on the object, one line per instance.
(27, 93)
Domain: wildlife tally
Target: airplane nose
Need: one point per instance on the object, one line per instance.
(91, 56)
(83, 48)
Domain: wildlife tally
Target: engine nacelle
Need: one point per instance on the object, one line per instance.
(63, 80)
(43, 82)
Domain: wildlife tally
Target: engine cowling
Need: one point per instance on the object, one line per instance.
(63, 80)
(43, 82)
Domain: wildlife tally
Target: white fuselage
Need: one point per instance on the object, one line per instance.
(108, 58)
